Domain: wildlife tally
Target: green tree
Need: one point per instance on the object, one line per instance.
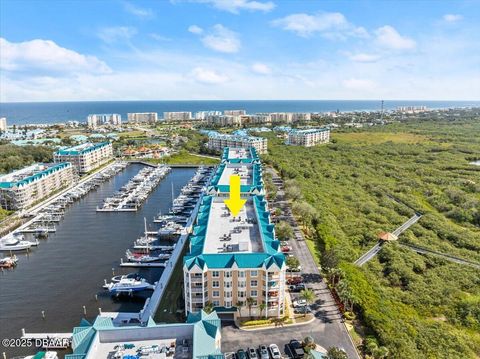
(309, 296)
(336, 353)
(292, 262)
(239, 306)
(283, 230)
(208, 308)
(262, 307)
(250, 302)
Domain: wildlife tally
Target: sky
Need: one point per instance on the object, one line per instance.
(62, 50)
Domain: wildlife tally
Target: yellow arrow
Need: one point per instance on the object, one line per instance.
(235, 203)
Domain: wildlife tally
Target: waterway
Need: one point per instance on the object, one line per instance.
(65, 271)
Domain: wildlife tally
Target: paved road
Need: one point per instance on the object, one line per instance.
(327, 329)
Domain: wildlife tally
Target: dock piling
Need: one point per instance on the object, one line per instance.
(4, 355)
(84, 310)
(43, 314)
(113, 272)
(96, 297)
(100, 311)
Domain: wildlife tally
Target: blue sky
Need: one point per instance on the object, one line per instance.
(239, 49)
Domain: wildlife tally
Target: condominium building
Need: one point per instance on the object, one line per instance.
(308, 138)
(177, 116)
(281, 117)
(3, 124)
(199, 337)
(412, 109)
(234, 112)
(218, 142)
(202, 115)
(224, 120)
(142, 117)
(235, 261)
(24, 187)
(87, 156)
(95, 120)
(301, 117)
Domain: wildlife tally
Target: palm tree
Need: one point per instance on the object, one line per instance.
(262, 307)
(239, 306)
(250, 302)
(309, 344)
(208, 308)
(308, 295)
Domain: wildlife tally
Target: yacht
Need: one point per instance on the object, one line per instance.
(129, 285)
(118, 278)
(145, 257)
(16, 244)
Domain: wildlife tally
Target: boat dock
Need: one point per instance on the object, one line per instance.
(131, 196)
(49, 340)
(142, 265)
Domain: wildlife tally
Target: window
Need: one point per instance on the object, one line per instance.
(216, 284)
(216, 293)
(216, 303)
(241, 294)
(241, 274)
(227, 294)
(228, 303)
(227, 284)
(253, 273)
(242, 284)
(253, 293)
(227, 274)
(215, 274)
(253, 283)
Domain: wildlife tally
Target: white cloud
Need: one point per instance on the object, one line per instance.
(194, 29)
(159, 37)
(208, 76)
(235, 6)
(261, 69)
(388, 37)
(45, 56)
(363, 57)
(222, 39)
(116, 34)
(138, 11)
(452, 17)
(329, 24)
(358, 84)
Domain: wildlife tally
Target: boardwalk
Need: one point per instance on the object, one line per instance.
(443, 255)
(372, 252)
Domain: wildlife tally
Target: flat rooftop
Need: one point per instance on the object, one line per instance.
(238, 153)
(226, 234)
(244, 170)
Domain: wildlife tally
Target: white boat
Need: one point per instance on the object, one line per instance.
(8, 262)
(16, 244)
(145, 258)
(128, 285)
(43, 355)
(118, 278)
(154, 247)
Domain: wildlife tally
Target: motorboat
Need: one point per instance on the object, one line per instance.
(128, 285)
(43, 355)
(118, 278)
(8, 262)
(154, 247)
(16, 244)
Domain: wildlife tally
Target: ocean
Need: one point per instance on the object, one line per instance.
(56, 112)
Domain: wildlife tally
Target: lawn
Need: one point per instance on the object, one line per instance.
(363, 138)
(184, 158)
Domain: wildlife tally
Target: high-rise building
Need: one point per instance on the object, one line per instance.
(22, 188)
(142, 117)
(202, 115)
(96, 120)
(3, 123)
(234, 112)
(218, 142)
(177, 116)
(87, 156)
(235, 259)
(224, 120)
(301, 117)
(281, 117)
(309, 137)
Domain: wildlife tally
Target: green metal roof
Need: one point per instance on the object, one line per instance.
(79, 150)
(36, 176)
(205, 330)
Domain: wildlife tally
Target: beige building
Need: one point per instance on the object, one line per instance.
(301, 117)
(177, 116)
(95, 120)
(234, 112)
(86, 157)
(308, 138)
(219, 141)
(235, 263)
(142, 117)
(281, 117)
(3, 123)
(224, 120)
(22, 188)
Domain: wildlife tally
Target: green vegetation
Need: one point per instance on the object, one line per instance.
(372, 180)
(183, 157)
(14, 157)
(4, 214)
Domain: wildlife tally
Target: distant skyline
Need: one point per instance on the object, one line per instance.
(239, 49)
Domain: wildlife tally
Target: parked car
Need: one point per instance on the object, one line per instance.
(286, 249)
(263, 352)
(295, 349)
(275, 351)
(294, 269)
(304, 309)
(252, 353)
(241, 354)
(295, 280)
(299, 303)
(297, 288)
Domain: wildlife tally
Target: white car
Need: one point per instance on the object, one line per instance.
(263, 352)
(275, 351)
(299, 303)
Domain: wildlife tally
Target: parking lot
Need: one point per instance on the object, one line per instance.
(327, 329)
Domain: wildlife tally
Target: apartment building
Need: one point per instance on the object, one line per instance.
(3, 124)
(309, 137)
(202, 115)
(177, 116)
(234, 112)
(301, 117)
(235, 260)
(24, 187)
(87, 156)
(224, 120)
(218, 142)
(281, 117)
(95, 120)
(142, 117)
